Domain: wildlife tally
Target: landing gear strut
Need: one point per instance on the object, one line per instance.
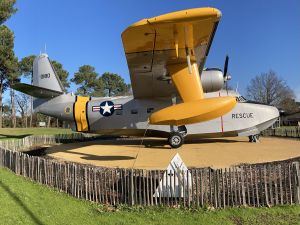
(176, 138)
(254, 138)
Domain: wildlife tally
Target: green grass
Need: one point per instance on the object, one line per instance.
(26, 202)
(8, 133)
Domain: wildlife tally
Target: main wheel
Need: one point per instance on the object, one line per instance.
(175, 139)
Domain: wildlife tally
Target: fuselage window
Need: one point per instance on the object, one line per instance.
(134, 111)
(150, 110)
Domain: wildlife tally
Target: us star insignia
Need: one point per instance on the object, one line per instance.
(107, 108)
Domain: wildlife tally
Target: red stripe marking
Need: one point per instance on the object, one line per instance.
(222, 124)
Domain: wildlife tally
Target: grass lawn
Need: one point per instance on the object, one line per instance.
(26, 202)
(7, 133)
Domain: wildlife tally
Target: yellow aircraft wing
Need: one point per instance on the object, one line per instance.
(174, 46)
(156, 46)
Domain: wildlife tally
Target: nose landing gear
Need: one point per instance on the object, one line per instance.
(254, 138)
(176, 138)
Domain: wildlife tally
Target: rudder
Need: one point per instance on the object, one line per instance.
(44, 75)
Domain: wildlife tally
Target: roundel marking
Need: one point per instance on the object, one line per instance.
(107, 108)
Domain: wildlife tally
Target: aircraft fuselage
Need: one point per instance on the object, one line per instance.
(129, 116)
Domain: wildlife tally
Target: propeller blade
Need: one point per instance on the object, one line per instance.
(226, 66)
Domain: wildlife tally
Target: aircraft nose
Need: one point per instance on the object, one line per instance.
(268, 113)
(273, 112)
(268, 116)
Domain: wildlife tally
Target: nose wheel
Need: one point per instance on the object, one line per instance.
(254, 138)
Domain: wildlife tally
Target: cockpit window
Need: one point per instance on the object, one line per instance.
(241, 99)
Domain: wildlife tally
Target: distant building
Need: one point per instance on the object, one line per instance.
(291, 119)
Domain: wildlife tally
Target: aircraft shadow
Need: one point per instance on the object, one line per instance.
(107, 158)
(210, 140)
(148, 143)
(101, 158)
(21, 204)
(7, 136)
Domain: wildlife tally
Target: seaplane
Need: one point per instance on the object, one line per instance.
(174, 96)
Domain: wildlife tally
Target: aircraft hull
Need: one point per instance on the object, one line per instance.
(130, 117)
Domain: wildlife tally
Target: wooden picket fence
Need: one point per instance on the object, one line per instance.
(35, 142)
(257, 185)
(292, 132)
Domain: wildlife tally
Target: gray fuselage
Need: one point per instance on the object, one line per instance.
(129, 116)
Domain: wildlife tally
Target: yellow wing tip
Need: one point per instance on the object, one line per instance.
(181, 15)
(218, 13)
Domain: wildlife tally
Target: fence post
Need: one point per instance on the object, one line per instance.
(131, 187)
(296, 179)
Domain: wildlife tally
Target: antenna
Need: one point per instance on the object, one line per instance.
(45, 48)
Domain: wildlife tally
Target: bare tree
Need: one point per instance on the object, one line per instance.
(13, 108)
(26, 69)
(269, 88)
(23, 102)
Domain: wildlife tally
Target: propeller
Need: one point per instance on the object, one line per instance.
(226, 66)
(225, 74)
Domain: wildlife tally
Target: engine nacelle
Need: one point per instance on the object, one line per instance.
(212, 80)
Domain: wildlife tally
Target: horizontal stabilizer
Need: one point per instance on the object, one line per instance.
(35, 91)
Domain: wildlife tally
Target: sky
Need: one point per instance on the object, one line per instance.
(257, 35)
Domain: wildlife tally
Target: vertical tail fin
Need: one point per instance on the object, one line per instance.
(44, 75)
(46, 83)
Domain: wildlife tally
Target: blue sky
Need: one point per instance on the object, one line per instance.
(257, 35)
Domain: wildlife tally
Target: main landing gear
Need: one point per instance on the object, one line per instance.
(176, 138)
(254, 138)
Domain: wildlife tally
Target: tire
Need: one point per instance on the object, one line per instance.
(257, 137)
(251, 138)
(175, 140)
(254, 138)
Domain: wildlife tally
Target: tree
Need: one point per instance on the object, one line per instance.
(98, 89)
(86, 78)
(26, 69)
(23, 107)
(6, 115)
(268, 88)
(6, 9)
(8, 62)
(114, 84)
(61, 73)
(26, 66)
(12, 78)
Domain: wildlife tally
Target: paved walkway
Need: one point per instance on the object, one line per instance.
(156, 154)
